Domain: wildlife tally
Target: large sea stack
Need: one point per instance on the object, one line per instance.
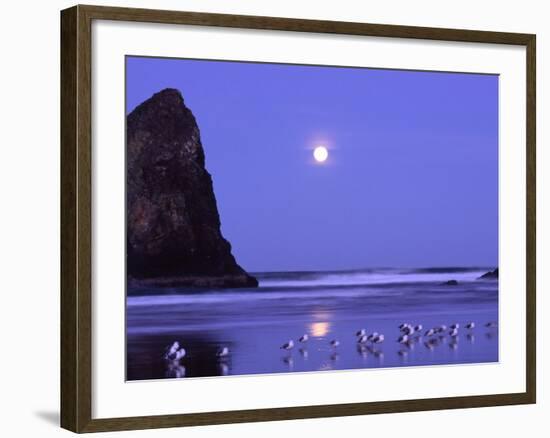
(173, 225)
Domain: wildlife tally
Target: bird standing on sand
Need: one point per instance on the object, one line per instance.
(418, 328)
(430, 332)
(362, 339)
(222, 352)
(334, 343)
(288, 346)
(171, 350)
(454, 326)
(304, 338)
(378, 339)
(470, 325)
(372, 336)
(453, 333)
(361, 332)
(180, 354)
(175, 352)
(441, 328)
(491, 324)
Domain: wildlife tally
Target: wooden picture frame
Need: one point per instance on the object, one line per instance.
(76, 217)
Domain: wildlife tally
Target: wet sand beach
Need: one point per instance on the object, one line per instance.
(254, 323)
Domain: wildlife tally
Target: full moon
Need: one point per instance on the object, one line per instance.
(320, 153)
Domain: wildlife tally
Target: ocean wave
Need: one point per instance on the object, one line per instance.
(368, 277)
(220, 297)
(314, 286)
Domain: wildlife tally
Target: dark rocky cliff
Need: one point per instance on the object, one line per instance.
(173, 226)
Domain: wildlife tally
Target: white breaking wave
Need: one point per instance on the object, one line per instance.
(313, 286)
(371, 278)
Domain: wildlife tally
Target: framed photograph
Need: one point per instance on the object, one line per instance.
(269, 218)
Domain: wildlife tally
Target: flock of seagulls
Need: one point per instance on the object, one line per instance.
(174, 352)
(361, 335)
(408, 335)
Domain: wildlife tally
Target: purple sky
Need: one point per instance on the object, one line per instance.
(411, 179)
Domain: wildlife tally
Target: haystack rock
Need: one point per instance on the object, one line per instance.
(173, 225)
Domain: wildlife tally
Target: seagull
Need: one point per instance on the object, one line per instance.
(441, 328)
(334, 343)
(171, 350)
(371, 337)
(288, 346)
(453, 333)
(180, 354)
(403, 339)
(378, 339)
(304, 338)
(430, 332)
(222, 352)
(403, 326)
(418, 328)
(361, 332)
(454, 326)
(363, 339)
(491, 324)
(175, 352)
(470, 325)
